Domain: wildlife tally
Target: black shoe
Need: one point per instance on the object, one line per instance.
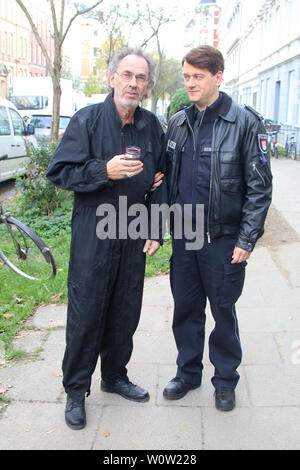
(225, 399)
(126, 389)
(75, 414)
(178, 388)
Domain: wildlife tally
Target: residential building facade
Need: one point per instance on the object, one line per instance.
(209, 17)
(203, 25)
(20, 54)
(261, 44)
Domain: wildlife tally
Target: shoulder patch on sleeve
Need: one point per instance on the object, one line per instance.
(263, 143)
(254, 112)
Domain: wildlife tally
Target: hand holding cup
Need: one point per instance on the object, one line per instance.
(126, 165)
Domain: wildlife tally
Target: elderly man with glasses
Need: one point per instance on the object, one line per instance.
(106, 275)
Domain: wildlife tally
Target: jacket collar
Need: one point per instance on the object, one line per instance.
(227, 110)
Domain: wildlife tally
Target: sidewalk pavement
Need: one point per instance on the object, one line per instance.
(267, 415)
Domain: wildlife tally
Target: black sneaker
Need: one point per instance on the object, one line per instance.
(126, 389)
(225, 399)
(75, 414)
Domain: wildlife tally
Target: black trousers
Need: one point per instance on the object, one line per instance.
(195, 277)
(105, 288)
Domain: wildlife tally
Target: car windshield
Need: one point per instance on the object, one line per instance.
(44, 122)
(27, 102)
(41, 122)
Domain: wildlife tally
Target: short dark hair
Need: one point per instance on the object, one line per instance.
(205, 57)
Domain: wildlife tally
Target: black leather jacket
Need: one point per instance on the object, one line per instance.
(240, 181)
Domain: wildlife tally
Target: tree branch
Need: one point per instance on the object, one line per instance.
(62, 14)
(54, 19)
(79, 13)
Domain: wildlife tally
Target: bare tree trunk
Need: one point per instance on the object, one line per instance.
(155, 17)
(154, 100)
(59, 35)
(55, 112)
(56, 83)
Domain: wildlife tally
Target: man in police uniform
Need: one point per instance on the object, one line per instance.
(216, 156)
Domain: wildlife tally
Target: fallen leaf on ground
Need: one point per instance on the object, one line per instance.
(57, 374)
(57, 296)
(106, 434)
(50, 431)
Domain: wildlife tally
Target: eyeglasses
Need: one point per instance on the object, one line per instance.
(128, 76)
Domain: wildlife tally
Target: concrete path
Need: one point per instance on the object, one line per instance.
(267, 415)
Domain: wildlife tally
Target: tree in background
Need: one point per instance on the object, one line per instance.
(155, 19)
(91, 86)
(106, 52)
(180, 100)
(170, 79)
(138, 25)
(59, 34)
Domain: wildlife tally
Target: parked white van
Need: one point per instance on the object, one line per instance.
(14, 138)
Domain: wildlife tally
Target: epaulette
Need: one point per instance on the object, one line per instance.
(179, 117)
(253, 111)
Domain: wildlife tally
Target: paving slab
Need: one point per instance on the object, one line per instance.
(32, 426)
(262, 428)
(154, 429)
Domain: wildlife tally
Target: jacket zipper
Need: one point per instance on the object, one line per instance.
(194, 140)
(194, 154)
(210, 184)
(259, 173)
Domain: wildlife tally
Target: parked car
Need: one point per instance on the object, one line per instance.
(14, 138)
(42, 124)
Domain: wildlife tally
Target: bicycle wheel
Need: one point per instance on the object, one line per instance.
(293, 152)
(24, 252)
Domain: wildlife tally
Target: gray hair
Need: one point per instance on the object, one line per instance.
(115, 62)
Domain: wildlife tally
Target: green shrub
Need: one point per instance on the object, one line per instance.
(35, 193)
(180, 100)
(38, 203)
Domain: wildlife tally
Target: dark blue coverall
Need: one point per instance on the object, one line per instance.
(105, 281)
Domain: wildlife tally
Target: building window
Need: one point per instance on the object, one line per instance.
(267, 98)
(291, 96)
(4, 41)
(247, 96)
(10, 45)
